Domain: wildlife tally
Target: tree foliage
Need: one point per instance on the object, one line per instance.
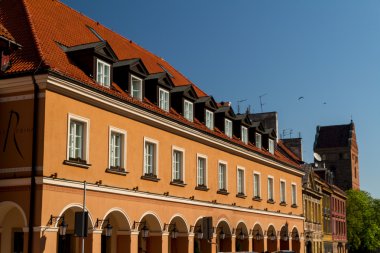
(363, 221)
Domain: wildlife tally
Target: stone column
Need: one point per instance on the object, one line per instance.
(134, 241)
(214, 245)
(97, 240)
(302, 244)
(265, 243)
(278, 242)
(233, 243)
(190, 246)
(290, 243)
(165, 242)
(250, 246)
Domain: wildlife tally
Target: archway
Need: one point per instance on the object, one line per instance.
(258, 239)
(242, 240)
(72, 243)
(178, 232)
(284, 237)
(271, 239)
(296, 245)
(12, 222)
(120, 238)
(223, 236)
(150, 236)
(200, 243)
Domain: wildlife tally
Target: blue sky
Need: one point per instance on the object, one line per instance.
(327, 51)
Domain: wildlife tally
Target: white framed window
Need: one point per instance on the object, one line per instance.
(150, 157)
(201, 170)
(282, 191)
(294, 194)
(228, 127)
(270, 189)
(103, 71)
(222, 176)
(256, 185)
(258, 140)
(117, 148)
(178, 164)
(210, 119)
(188, 111)
(271, 146)
(241, 181)
(78, 139)
(136, 87)
(163, 99)
(244, 134)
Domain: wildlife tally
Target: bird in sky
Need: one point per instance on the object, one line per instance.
(300, 98)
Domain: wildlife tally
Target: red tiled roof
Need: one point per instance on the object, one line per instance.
(287, 151)
(39, 25)
(4, 33)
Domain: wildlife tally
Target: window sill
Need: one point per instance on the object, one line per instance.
(270, 201)
(83, 165)
(150, 178)
(294, 206)
(283, 203)
(241, 195)
(257, 198)
(222, 192)
(117, 171)
(201, 188)
(179, 183)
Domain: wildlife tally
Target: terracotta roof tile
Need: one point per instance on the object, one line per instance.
(4, 33)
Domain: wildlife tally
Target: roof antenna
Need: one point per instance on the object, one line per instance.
(261, 103)
(238, 102)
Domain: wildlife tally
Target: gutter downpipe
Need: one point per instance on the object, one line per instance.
(34, 163)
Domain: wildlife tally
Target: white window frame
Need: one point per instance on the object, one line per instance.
(294, 198)
(163, 104)
(268, 190)
(226, 175)
(228, 127)
(140, 95)
(282, 191)
(209, 119)
(206, 169)
(187, 113)
(258, 194)
(156, 143)
(244, 134)
(102, 73)
(178, 149)
(86, 136)
(271, 146)
(123, 148)
(238, 168)
(258, 140)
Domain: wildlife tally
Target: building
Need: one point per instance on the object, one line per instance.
(95, 122)
(338, 149)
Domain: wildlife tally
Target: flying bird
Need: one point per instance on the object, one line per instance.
(300, 98)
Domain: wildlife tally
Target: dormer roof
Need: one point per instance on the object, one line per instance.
(187, 90)
(227, 111)
(208, 101)
(163, 78)
(136, 65)
(101, 48)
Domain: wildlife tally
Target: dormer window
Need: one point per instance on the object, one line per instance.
(103, 73)
(163, 99)
(244, 134)
(188, 110)
(258, 140)
(136, 87)
(271, 146)
(209, 119)
(228, 127)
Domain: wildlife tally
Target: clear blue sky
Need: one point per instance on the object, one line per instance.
(327, 51)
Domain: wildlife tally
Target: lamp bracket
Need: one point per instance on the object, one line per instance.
(100, 222)
(55, 219)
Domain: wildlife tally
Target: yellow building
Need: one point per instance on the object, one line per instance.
(91, 121)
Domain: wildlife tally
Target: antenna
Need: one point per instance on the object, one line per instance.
(238, 102)
(261, 103)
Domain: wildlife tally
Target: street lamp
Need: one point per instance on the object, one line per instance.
(107, 228)
(145, 232)
(222, 235)
(272, 236)
(241, 235)
(63, 227)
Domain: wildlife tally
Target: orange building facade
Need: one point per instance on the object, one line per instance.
(87, 122)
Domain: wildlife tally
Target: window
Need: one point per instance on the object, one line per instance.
(222, 177)
(209, 119)
(282, 191)
(136, 87)
(228, 127)
(77, 139)
(103, 73)
(240, 181)
(271, 146)
(188, 110)
(270, 189)
(201, 171)
(294, 195)
(150, 158)
(178, 164)
(163, 99)
(256, 185)
(258, 140)
(244, 134)
(117, 149)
